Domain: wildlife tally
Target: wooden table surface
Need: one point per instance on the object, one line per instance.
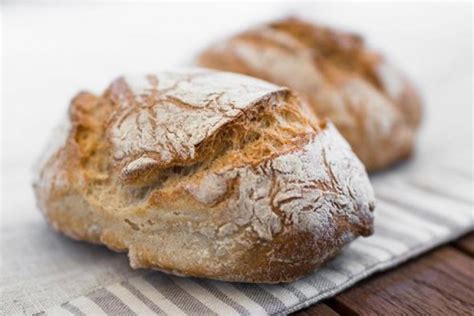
(440, 282)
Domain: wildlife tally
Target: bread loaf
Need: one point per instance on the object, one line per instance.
(374, 107)
(205, 174)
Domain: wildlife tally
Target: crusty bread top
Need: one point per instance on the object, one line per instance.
(171, 113)
(148, 129)
(168, 118)
(163, 118)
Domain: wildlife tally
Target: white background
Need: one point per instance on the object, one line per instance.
(50, 52)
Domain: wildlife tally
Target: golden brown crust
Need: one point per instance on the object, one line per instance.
(263, 195)
(373, 106)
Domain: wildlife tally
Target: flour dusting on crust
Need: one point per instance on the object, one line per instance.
(305, 190)
(170, 113)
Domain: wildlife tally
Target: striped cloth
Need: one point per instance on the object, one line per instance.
(416, 211)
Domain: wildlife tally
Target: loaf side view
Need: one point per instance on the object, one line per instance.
(207, 174)
(373, 106)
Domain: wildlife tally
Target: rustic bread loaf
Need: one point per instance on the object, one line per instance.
(206, 174)
(371, 104)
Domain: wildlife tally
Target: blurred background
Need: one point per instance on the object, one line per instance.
(53, 50)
